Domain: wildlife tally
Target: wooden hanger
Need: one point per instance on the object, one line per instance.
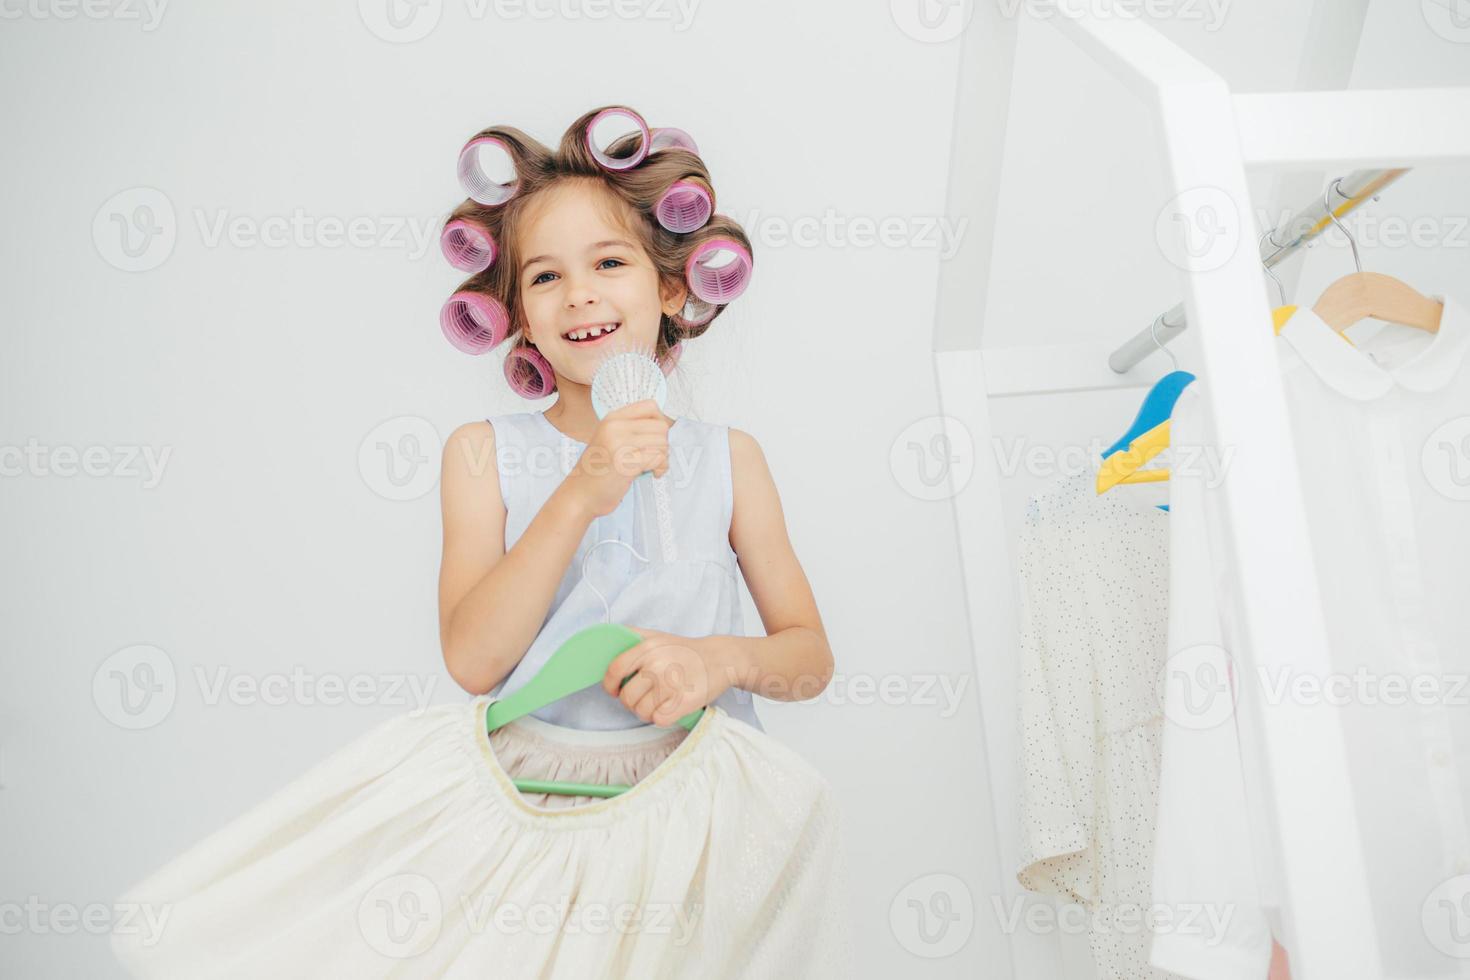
(1361, 295)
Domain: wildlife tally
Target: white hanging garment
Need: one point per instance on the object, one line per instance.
(1094, 595)
(1381, 430)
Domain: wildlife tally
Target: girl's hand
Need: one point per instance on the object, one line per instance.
(672, 676)
(628, 441)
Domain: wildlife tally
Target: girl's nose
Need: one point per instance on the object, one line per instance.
(580, 293)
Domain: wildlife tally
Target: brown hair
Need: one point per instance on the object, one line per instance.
(633, 193)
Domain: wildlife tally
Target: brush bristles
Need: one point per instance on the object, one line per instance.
(628, 375)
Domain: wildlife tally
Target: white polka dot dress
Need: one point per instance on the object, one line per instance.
(1094, 597)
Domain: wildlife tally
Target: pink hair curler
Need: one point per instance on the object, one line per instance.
(612, 162)
(468, 245)
(696, 313)
(529, 373)
(475, 178)
(669, 138)
(719, 270)
(684, 207)
(474, 322)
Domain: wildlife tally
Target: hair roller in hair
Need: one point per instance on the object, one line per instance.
(529, 373)
(612, 126)
(474, 322)
(695, 313)
(719, 270)
(468, 245)
(669, 138)
(487, 171)
(685, 206)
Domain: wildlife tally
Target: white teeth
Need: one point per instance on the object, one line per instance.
(596, 331)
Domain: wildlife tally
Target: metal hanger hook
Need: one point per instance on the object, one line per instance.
(1280, 286)
(1153, 331)
(1352, 242)
(606, 609)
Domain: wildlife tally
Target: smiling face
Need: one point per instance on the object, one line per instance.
(585, 281)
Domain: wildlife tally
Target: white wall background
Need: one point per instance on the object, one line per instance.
(269, 545)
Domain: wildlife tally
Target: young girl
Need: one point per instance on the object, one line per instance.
(410, 852)
(583, 267)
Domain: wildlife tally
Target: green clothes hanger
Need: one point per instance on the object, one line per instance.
(579, 663)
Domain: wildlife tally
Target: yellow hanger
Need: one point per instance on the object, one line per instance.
(1126, 467)
(1281, 314)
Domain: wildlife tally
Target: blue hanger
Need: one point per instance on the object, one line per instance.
(1158, 404)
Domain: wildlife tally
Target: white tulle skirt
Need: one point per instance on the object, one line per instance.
(409, 853)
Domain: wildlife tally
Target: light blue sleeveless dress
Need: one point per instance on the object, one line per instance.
(696, 595)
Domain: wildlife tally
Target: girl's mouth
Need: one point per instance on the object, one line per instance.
(592, 334)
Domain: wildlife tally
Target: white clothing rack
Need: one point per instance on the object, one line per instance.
(1207, 138)
(1275, 246)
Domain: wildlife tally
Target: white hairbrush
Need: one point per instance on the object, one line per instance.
(629, 374)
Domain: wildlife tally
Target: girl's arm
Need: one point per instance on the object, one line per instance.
(793, 661)
(492, 602)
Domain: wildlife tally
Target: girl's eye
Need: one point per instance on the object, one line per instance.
(537, 280)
